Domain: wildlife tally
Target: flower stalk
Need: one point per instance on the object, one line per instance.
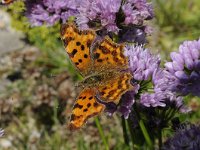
(146, 135)
(125, 132)
(101, 133)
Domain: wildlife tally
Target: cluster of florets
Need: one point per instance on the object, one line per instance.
(122, 17)
(186, 138)
(185, 68)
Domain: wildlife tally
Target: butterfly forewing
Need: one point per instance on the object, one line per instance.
(109, 55)
(77, 44)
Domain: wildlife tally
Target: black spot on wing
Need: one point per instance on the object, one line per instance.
(74, 52)
(102, 93)
(85, 110)
(111, 92)
(76, 63)
(116, 59)
(89, 43)
(78, 106)
(95, 104)
(104, 88)
(82, 47)
(114, 53)
(104, 49)
(78, 43)
(96, 55)
(119, 84)
(99, 60)
(88, 105)
(85, 56)
(73, 117)
(67, 40)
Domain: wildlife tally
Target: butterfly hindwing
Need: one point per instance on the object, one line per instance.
(84, 108)
(115, 87)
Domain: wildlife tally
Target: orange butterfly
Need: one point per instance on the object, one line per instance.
(6, 2)
(102, 64)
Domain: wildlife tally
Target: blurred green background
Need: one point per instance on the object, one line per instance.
(38, 83)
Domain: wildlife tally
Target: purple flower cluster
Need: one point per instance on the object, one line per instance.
(188, 139)
(146, 67)
(127, 101)
(185, 68)
(162, 94)
(109, 15)
(141, 62)
(112, 14)
(136, 11)
(123, 17)
(49, 11)
(98, 13)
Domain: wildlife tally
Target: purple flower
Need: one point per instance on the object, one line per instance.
(141, 62)
(153, 99)
(185, 67)
(127, 101)
(99, 13)
(163, 99)
(163, 95)
(163, 80)
(145, 67)
(49, 11)
(110, 16)
(136, 11)
(188, 139)
(158, 90)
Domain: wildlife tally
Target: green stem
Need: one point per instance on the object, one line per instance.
(145, 133)
(143, 129)
(101, 133)
(160, 139)
(170, 115)
(125, 133)
(131, 132)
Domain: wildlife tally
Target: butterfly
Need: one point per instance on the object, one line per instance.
(103, 67)
(6, 2)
